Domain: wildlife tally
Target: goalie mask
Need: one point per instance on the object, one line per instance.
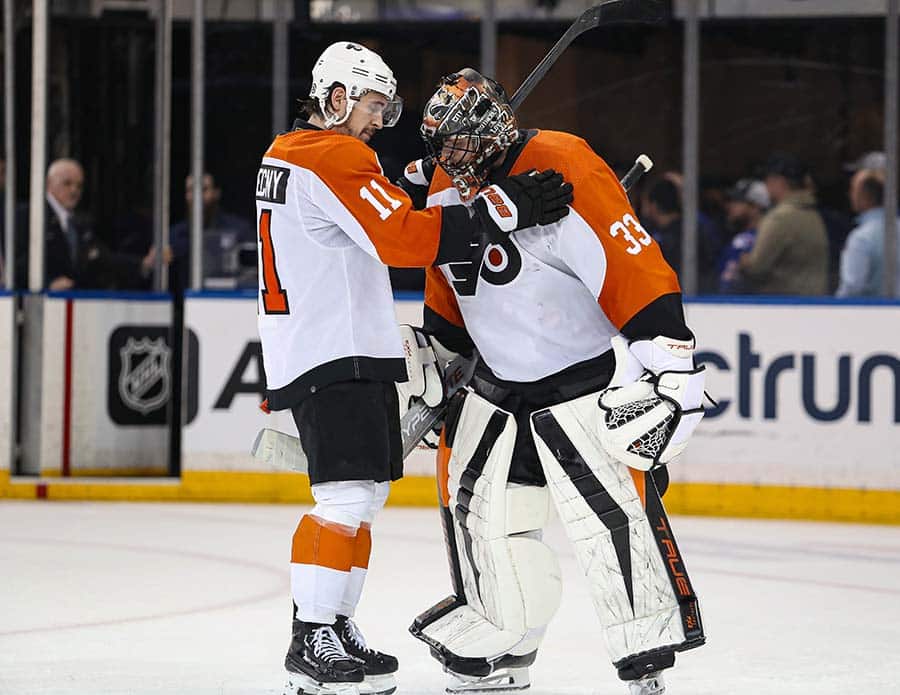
(359, 71)
(467, 124)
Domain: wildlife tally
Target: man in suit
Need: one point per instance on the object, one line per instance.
(74, 256)
(65, 184)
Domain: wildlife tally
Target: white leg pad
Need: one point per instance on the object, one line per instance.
(511, 582)
(601, 507)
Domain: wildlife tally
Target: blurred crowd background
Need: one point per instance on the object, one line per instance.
(791, 163)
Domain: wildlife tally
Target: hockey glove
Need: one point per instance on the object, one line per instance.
(653, 404)
(522, 201)
(424, 371)
(416, 179)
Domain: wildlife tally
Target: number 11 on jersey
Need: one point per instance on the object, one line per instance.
(274, 298)
(369, 197)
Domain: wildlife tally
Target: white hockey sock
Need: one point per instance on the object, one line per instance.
(361, 551)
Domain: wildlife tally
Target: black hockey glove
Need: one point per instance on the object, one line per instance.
(416, 179)
(523, 201)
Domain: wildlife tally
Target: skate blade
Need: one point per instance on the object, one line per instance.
(378, 685)
(300, 684)
(503, 681)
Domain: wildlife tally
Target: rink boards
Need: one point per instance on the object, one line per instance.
(7, 382)
(805, 422)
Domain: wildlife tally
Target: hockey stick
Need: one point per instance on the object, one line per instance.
(641, 166)
(606, 13)
(281, 450)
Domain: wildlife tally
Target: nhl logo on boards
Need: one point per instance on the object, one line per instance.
(140, 381)
(144, 374)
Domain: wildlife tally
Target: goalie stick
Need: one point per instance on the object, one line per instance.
(282, 450)
(606, 13)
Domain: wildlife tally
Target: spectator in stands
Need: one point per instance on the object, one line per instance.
(748, 200)
(661, 211)
(876, 161)
(74, 257)
(224, 237)
(838, 223)
(862, 259)
(790, 255)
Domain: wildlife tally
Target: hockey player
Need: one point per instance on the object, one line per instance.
(329, 222)
(584, 388)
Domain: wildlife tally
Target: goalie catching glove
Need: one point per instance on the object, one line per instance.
(425, 362)
(653, 403)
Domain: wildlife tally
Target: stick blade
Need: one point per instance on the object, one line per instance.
(279, 450)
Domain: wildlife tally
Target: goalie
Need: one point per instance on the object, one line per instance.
(584, 390)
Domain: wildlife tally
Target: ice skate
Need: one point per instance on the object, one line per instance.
(503, 680)
(651, 684)
(379, 668)
(317, 663)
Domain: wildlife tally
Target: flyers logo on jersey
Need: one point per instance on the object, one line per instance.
(500, 265)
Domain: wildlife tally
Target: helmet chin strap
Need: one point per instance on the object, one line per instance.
(331, 120)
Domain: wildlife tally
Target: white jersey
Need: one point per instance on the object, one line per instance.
(550, 297)
(329, 223)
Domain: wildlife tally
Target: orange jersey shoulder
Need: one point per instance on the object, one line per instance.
(401, 235)
(326, 152)
(636, 272)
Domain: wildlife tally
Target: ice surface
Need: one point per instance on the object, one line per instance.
(134, 599)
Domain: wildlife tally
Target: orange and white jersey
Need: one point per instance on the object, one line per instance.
(329, 223)
(550, 297)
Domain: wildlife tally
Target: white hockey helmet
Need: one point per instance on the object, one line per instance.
(359, 71)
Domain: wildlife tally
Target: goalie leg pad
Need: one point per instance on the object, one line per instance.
(615, 518)
(507, 580)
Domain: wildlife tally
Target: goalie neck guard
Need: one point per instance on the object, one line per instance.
(467, 124)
